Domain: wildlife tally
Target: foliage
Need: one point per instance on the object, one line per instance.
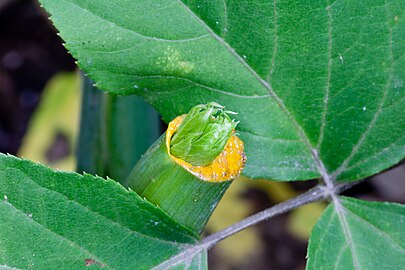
(348, 231)
(319, 90)
(314, 82)
(80, 220)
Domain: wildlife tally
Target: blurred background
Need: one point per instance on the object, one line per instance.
(41, 92)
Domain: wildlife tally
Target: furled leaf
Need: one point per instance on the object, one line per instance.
(59, 220)
(114, 132)
(91, 147)
(355, 234)
(319, 85)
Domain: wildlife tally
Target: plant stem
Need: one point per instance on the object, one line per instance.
(312, 195)
(317, 193)
(187, 198)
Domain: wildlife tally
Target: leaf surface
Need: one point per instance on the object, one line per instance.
(319, 85)
(355, 234)
(58, 220)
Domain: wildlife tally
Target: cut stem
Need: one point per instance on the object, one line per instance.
(188, 193)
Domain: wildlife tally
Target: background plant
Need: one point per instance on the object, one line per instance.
(319, 89)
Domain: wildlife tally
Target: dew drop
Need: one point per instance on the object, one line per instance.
(341, 58)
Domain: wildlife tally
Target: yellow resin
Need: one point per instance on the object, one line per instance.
(227, 166)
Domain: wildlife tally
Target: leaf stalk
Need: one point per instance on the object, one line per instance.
(318, 193)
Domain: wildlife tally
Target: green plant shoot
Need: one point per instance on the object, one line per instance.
(203, 134)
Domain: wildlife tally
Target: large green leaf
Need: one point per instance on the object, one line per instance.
(318, 84)
(354, 234)
(59, 220)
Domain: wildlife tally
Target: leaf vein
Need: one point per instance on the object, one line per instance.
(377, 230)
(134, 32)
(376, 154)
(364, 135)
(272, 93)
(204, 86)
(225, 28)
(6, 267)
(328, 79)
(275, 41)
(103, 217)
(346, 231)
(73, 244)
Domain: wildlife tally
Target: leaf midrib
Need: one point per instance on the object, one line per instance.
(339, 208)
(213, 89)
(380, 232)
(133, 31)
(377, 113)
(341, 212)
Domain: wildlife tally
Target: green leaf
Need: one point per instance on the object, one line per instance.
(319, 85)
(114, 132)
(355, 234)
(58, 220)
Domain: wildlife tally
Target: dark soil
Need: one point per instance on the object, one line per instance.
(30, 54)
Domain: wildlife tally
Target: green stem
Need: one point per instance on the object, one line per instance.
(184, 196)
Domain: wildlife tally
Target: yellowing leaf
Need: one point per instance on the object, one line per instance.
(57, 116)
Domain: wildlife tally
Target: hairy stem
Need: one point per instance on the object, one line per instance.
(318, 193)
(315, 194)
